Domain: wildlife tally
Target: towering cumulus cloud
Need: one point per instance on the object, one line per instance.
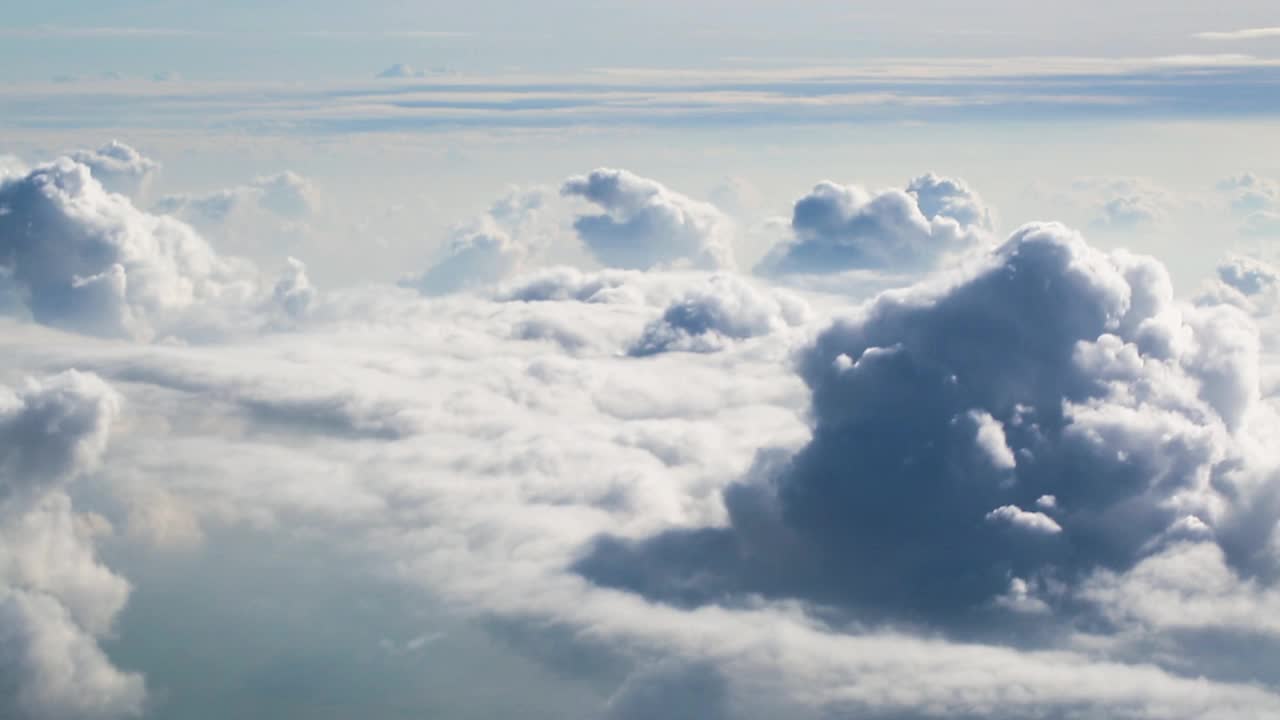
(984, 445)
(56, 600)
(81, 258)
(646, 225)
(845, 227)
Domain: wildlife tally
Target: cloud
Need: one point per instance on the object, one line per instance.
(489, 249)
(1256, 200)
(727, 309)
(1033, 469)
(942, 411)
(400, 71)
(844, 227)
(286, 195)
(1239, 35)
(646, 225)
(56, 600)
(119, 167)
(84, 259)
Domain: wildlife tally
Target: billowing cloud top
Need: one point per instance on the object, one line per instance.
(727, 309)
(1045, 415)
(645, 224)
(118, 167)
(85, 259)
(845, 227)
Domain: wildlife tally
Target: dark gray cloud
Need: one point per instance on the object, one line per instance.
(1050, 413)
(845, 227)
(645, 224)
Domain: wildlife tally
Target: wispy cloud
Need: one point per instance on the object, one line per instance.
(1245, 34)
(362, 34)
(56, 31)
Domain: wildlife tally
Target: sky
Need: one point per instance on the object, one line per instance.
(614, 360)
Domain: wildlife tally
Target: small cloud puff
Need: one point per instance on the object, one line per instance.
(646, 225)
(845, 227)
(488, 250)
(726, 309)
(118, 167)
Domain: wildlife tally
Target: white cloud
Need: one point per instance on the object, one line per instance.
(1260, 33)
(1027, 520)
(845, 227)
(489, 249)
(119, 168)
(56, 600)
(727, 309)
(646, 225)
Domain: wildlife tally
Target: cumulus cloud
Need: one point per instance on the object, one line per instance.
(56, 599)
(1034, 469)
(1256, 200)
(845, 227)
(87, 260)
(942, 411)
(727, 309)
(493, 247)
(286, 195)
(646, 225)
(119, 167)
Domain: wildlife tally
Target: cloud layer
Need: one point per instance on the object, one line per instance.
(650, 489)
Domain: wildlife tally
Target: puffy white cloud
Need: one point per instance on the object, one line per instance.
(56, 600)
(726, 309)
(119, 168)
(646, 225)
(1256, 200)
(493, 247)
(711, 533)
(1028, 520)
(88, 260)
(77, 257)
(1249, 192)
(950, 197)
(845, 227)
